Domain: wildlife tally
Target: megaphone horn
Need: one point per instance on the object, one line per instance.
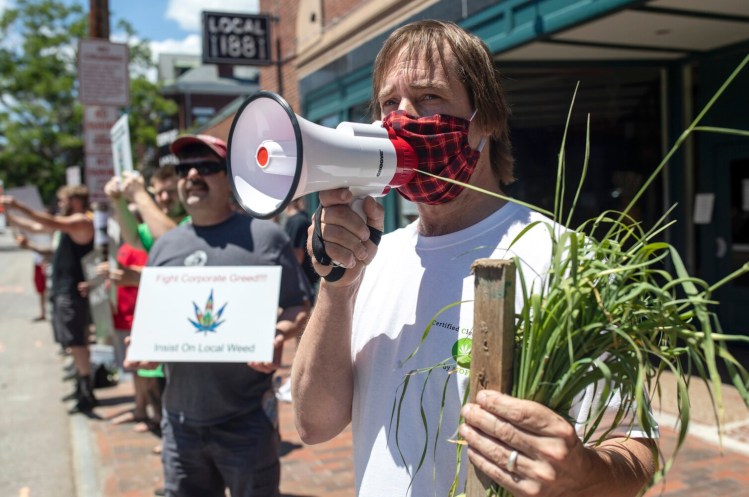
(275, 156)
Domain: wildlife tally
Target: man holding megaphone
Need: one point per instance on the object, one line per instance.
(440, 102)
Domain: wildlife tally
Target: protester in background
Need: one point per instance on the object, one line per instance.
(126, 277)
(40, 284)
(42, 255)
(436, 86)
(70, 309)
(219, 424)
(142, 219)
(159, 213)
(296, 223)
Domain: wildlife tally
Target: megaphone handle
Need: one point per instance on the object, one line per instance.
(318, 244)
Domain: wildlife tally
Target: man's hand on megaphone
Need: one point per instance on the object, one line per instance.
(346, 238)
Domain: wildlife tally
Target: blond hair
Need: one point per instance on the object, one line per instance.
(76, 191)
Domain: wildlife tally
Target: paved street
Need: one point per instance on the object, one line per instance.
(35, 441)
(45, 452)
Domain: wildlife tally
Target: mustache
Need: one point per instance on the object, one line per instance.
(196, 182)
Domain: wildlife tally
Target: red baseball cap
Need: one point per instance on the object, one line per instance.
(216, 144)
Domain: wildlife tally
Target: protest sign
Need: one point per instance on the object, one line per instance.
(206, 314)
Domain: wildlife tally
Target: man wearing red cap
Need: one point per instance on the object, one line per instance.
(219, 425)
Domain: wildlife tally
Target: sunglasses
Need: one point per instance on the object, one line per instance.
(204, 168)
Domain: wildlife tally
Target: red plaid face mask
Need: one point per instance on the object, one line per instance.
(441, 145)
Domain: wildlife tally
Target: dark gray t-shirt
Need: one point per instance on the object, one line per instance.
(209, 393)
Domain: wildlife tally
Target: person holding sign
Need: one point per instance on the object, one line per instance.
(436, 86)
(70, 309)
(157, 213)
(42, 255)
(219, 427)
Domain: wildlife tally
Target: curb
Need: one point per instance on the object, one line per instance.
(85, 457)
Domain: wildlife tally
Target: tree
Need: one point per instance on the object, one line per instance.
(41, 120)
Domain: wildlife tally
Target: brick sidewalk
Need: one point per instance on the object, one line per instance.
(128, 468)
(701, 470)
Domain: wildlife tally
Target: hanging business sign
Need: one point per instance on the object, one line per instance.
(236, 38)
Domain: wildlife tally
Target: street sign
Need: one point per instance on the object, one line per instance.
(103, 73)
(99, 169)
(236, 38)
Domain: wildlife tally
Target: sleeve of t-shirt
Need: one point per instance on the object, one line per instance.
(145, 236)
(293, 288)
(296, 228)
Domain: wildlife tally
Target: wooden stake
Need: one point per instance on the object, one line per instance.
(493, 341)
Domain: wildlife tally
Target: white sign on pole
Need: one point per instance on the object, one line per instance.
(121, 154)
(103, 72)
(73, 175)
(206, 314)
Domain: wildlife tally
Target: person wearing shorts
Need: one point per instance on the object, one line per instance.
(70, 309)
(40, 285)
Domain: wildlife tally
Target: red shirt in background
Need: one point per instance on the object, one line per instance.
(127, 256)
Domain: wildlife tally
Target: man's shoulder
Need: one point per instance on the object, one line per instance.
(79, 217)
(178, 234)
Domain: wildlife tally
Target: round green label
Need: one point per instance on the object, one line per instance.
(462, 352)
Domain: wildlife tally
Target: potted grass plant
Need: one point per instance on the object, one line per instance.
(618, 309)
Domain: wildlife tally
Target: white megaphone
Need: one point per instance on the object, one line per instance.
(276, 156)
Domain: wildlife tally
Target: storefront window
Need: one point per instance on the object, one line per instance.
(625, 137)
(739, 217)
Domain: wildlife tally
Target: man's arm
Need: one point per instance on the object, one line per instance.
(79, 226)
(157, 221)
(123, 276)
(123, 216)
(551, 459)
(27, 244)
(322, 373)
(128, 224)
(26, 224)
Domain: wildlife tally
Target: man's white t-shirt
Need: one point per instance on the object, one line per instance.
(410, 281)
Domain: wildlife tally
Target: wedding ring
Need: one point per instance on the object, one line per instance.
(512, 460)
